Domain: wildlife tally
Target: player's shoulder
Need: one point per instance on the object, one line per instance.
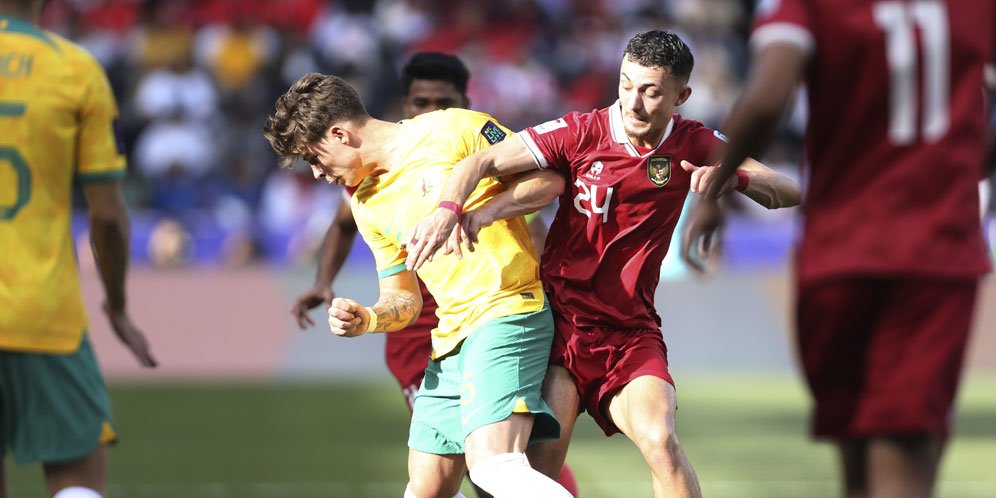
(694, 137)
(74, 57)
(574, 121)
(683, 125)
(451, 116)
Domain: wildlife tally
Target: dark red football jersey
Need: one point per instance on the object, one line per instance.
(895, 143)
(602, 259)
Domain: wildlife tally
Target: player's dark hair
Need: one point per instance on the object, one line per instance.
(435, 66)
(303, 114)
(661, 49)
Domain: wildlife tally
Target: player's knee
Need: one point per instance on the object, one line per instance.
(660, 447)
(546, 457)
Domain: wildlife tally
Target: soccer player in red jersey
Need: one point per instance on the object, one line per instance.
(629, 167)
(431, 81)
(892, 250)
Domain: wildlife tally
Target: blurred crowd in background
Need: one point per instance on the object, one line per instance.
(195, 79)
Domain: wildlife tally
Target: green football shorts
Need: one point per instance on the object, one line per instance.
(53, 408)
(496, 371)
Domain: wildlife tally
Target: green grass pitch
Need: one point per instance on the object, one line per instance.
(744, 434)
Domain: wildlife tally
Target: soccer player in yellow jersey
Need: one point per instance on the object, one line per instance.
(56, 122)
(479, 405)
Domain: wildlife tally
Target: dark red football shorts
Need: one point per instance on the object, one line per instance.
(883, 356)
(603, 360)
(407, 354)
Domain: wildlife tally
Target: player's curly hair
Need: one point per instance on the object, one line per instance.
(306, 111)
(661, 49)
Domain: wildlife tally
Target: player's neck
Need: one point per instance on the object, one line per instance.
(378, 145)
(652, 139)
(646, 142)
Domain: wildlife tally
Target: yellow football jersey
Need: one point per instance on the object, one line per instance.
(56, 120)
(500, 278)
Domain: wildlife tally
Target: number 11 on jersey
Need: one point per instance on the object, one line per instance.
(898, 20)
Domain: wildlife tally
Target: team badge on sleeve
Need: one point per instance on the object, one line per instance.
(492, 133)
(659, 170)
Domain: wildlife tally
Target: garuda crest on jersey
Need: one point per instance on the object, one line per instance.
(659, 169)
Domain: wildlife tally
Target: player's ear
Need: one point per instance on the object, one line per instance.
(339, 134)
(683, 94)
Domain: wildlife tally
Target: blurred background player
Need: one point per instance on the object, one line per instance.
(430, 81)
(602, 258)
(892, 251)
(56, 122)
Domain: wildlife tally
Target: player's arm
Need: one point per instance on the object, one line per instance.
(749, 127)
(335, 248)
(505, 158)
(109, 234)
(399, 304)
(762, 184)
(526, 193)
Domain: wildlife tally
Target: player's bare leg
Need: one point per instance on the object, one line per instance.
(411, 406)
(560, 392)
(497, 460)
(903, 467)
(854, 467)
(644, 410)
(88, 472)
(434, 476)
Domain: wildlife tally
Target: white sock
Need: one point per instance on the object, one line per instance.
(409, 494)
(76, 492)
(508, 475)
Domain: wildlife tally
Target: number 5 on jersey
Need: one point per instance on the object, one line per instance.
(586, 200)
(9, 155)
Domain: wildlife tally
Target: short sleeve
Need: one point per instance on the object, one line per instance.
(100, 155)
(713, 143)
(469, 132)
(783, 21)
(388, 256)
(554, 143)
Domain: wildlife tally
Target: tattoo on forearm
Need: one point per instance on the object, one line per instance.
(395, 312)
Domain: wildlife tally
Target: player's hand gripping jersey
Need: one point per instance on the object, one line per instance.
(602, 261)
(62, 129)
(500, 278)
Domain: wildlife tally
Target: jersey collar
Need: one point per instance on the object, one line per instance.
(618, 131)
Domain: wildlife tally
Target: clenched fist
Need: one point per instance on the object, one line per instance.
(347, 318)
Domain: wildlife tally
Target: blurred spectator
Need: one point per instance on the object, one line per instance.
(194, 78)
(236, 53)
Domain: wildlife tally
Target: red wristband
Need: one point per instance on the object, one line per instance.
(452, 206)
(742, 181)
